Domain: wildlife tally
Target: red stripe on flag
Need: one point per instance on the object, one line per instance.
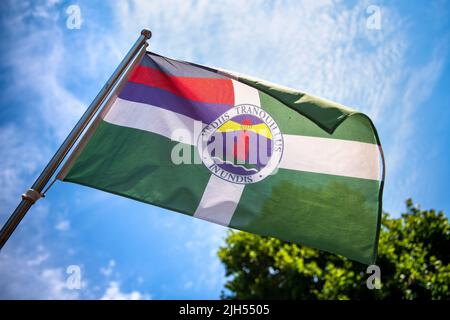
(198, 89)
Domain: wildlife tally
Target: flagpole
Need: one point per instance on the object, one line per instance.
(35, 192)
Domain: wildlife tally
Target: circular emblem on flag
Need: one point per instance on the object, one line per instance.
(244, 145)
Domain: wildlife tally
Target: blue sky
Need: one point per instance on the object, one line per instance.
(398, 74)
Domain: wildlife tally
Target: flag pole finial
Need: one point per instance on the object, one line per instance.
(146, 33)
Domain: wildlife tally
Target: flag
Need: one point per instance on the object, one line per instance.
(240, 152)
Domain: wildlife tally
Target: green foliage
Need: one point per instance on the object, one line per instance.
(413, 256)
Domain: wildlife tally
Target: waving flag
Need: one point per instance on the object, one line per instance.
(239, 152)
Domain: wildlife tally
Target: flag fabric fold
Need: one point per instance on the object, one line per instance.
(240, 152)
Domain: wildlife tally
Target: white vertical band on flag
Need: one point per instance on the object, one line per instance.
(244, 94)
(331, 156)
(172, 125)
(219, 201)
(221, 197)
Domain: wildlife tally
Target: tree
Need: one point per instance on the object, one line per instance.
(413, 256)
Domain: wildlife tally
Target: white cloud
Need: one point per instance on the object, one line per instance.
(403, 162)
(113, 292)
(38, 260)
(108, 270)
(188, 285)
(56, 280)
(43, 74)
(328, 51)
(38, 73)
(205, 238)
(16, 164)
(63, 225)
(27, 277)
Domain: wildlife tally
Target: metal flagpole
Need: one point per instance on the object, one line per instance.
(35, 192)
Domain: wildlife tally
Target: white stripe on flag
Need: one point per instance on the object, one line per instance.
(150, 118)
(331, 156)
(219, 201)
(221, 197)
(302, 153)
